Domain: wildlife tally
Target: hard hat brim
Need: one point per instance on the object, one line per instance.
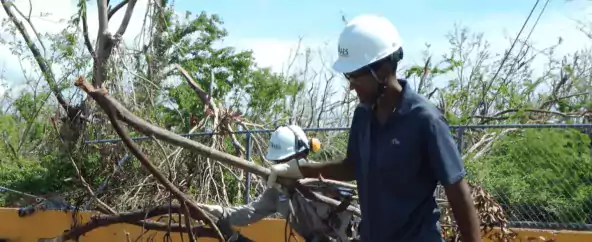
(275, 157)
(344, 66)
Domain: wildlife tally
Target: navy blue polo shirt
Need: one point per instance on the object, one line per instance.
(398, 165)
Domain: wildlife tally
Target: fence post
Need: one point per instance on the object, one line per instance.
(459, 138)
(247, 196)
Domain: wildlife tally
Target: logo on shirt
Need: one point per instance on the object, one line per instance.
(395, 141)
(282, 198)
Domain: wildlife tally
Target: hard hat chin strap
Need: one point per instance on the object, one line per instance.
(379, 92)
(395, 57)
(381, 85)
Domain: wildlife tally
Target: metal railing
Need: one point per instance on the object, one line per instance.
(540, 173)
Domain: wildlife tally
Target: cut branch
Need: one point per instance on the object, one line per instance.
(118, 111)
(107, 106)
(306, 181)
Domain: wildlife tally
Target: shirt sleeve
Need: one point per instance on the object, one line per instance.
(352, 141)
(444, 158)
(243, 215)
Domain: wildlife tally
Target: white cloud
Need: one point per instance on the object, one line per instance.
(58, 11)
(546, 33)
(2, 88)
(279, 55)
(501, 29)
(276, 53)
(268, 52)
(497, 29)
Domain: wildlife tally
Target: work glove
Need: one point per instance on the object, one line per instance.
(215, 210)
(289, 169)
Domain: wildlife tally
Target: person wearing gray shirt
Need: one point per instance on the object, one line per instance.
(314, 221)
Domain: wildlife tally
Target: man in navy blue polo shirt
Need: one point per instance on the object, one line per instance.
(399, 147)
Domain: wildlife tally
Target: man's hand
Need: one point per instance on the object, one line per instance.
(215, 210)
(289, 169)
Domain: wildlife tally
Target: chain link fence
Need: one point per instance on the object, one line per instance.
(540, 174)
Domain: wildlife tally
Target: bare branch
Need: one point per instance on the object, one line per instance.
(117, 111)
(306, 181)
(102, 205)
(41, 62)
(198, 89)
(126, 18)
(103, 20)
(28, 19)
(84, 17)
(98, 94)
(117, 7)
(136, 218)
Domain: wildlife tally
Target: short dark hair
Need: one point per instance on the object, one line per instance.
(392, 59)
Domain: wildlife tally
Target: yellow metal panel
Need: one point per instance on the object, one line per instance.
(539, 235)
(47, 224)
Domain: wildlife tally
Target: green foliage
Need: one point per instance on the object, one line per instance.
(544, 169)
(22, 175)
(267, 89)
(235, 74)
(40, 167)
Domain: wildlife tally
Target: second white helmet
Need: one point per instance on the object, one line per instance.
(286, 141)
(366, 39)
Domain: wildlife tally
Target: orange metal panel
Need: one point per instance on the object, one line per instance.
(47, 224)
(539, 235)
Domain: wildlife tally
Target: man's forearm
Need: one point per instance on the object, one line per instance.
(465, 214)
(340, 170)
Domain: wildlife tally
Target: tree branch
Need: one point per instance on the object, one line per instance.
(135, 218)
(41, 62)
(114, 108)
(99, 95)
(104, 45)
(103, 19)
(129, 10)
(117, 7)
(87, 41)
(498, 116)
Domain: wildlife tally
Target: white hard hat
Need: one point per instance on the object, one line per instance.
(286, 141)
(366, 39)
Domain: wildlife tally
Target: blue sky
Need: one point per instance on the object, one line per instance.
(420, 21)
(271, 28)
(313, 18)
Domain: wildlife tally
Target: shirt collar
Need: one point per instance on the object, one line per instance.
(406, 101)
(404, 105)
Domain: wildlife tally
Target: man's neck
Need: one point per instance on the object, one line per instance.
(390, 97)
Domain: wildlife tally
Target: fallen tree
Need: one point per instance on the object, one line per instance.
(106, 43)
(117, 114)
(138, 218)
